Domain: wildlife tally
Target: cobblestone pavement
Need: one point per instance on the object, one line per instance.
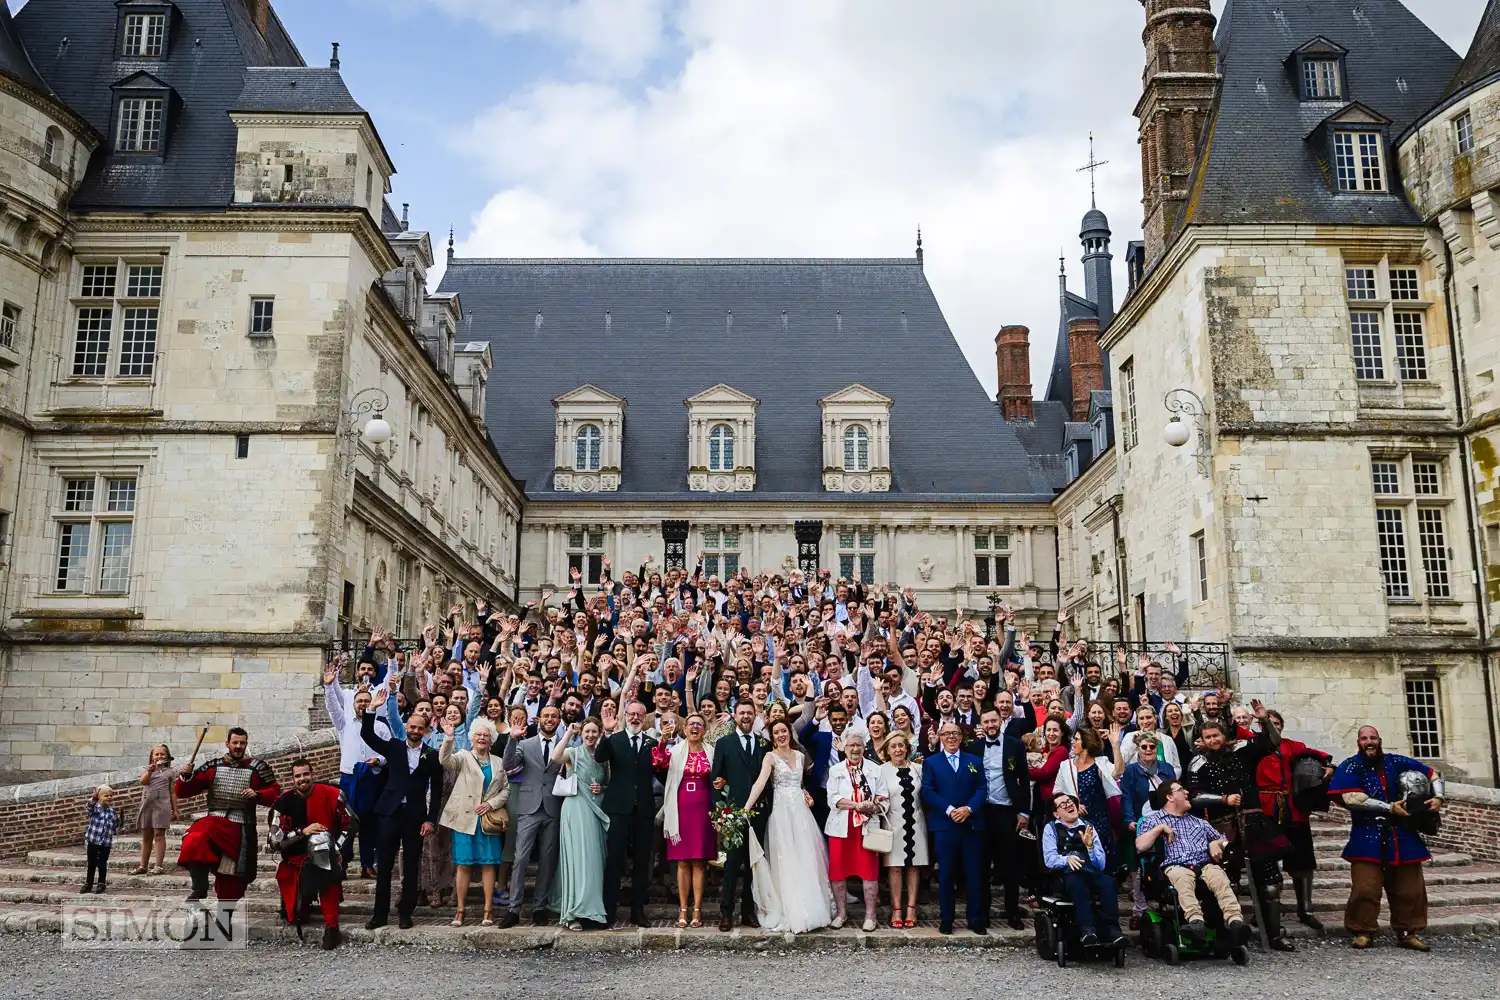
(33, 967)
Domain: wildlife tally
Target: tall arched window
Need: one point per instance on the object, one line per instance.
(721, 448)
(50, 146)
(856, 449)
(588, 442)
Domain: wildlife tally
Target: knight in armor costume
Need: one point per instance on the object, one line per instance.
(1293, 783)
(1393, 801)
(1221, 778)
(224, 841)
(309, 826)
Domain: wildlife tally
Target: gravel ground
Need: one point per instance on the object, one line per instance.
(34, 968)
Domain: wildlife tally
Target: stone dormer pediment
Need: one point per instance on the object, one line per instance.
(856, 440)
(588, 393)
(856, 393)
(590, 439)
(721, 393)
(721, 440)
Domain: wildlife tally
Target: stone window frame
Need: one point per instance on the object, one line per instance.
(1422, 701)
(1419, 506)
(1463, 132)
(168, 14)
(588, 405)
(142, 86)
(117, 307)
(584, 549)
(592, 450)
(996, 557)
(716, 549)
(856, 406)
(1198, 553)
(1131, 430)
(850, 544)
(1382, 290)
(113, 499)
(1357, 142)
(721, 405)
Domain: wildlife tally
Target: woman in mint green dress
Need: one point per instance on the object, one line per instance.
(582, 827)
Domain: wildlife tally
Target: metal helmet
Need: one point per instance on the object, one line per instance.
(320, 850)
(1415, 785)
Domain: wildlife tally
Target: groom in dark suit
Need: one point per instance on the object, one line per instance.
(738, 758)
(953, 787)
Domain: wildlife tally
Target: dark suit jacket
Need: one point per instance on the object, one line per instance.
(733, 765)
(1017, 777)
(1017, 728)
(630, 774)
(421, 788)
(943, 787)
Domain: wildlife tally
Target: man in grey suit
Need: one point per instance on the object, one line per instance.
(536, 815)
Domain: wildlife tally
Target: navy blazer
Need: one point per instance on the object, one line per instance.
(422, 788)
(943, 787)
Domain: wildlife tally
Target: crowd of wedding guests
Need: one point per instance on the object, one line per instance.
(596, 741)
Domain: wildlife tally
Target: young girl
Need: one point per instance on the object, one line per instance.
(158, 809)
(99, 837)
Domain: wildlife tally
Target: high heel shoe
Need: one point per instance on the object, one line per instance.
(911, 916)
(458, 918)
(682, 917)
(489, 920)
(697, 920)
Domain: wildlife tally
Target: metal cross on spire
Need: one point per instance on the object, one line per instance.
(1093, 168)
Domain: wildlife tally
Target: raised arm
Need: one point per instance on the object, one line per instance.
(768, 764)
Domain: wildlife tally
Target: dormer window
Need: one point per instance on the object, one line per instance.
(138, 127)
(721, 449)
(145, 36)
(1321, 80)
(856, 448)
(588, 449)
(1359, 160)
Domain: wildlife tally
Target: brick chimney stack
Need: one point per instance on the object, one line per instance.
(1086, 363)
(1181, 82)
(1013, 362)
(260, 13)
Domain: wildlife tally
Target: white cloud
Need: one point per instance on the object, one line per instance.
(824, 128)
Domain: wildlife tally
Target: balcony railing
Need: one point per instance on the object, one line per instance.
(1208, 662)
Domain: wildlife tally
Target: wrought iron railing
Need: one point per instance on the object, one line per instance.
(1207, 662)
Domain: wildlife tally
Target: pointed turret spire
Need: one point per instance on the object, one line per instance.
(450, 244)
(919, 246)
(334, 62)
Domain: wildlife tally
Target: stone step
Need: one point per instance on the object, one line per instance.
(433, 933)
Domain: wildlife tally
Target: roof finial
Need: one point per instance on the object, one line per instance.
(919, 245)
(405, 206)
(1093, 168)
(334, 62)
(450, 244)
(1062, 274)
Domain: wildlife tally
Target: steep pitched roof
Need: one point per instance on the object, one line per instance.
(786, 332)
(215, 41)
(1060, 382)
(296, 90)
(15, 61)
(1256, 164)
(1483, 59)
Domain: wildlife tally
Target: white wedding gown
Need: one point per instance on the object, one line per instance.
(791, 874)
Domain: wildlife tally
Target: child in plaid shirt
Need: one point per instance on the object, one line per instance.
(99, 837)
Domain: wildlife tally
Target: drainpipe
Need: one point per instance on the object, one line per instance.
(1122, 587)
(515, 589)
(1481, 589)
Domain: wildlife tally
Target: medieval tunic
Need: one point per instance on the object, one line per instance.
(299, 880)
(224, 840)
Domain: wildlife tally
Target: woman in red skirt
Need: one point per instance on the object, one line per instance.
(856, 797)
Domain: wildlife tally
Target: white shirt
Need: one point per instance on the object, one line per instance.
(352, 747)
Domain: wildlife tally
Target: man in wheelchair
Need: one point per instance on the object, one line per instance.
(1071, 849)
(1194, 852)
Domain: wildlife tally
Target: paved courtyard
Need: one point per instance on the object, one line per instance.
(32, 966)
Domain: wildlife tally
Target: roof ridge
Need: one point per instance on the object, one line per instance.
(703, 261)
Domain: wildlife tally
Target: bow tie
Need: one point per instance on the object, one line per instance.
(992, 743)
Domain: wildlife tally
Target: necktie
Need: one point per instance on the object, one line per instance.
(953, 760)
(546, 749)
(746, 738)
(635, 744)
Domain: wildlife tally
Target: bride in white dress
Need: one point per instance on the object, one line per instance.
(791, 873)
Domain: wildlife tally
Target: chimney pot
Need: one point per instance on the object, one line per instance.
(1085, 362)
(1013, 365)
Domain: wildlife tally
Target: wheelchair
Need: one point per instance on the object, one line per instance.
(1162, 924)
(1057, 935)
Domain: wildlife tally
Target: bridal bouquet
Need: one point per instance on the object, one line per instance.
(730, 823)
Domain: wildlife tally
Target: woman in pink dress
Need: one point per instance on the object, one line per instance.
(685, 820)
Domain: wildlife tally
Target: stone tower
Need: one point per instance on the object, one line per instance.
(1180, 83)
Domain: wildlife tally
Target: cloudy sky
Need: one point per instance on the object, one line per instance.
(745, 128)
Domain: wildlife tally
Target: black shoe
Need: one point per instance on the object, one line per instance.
(1119, 941)
(541, 916)
(1015, 923)
(1238, 931)
(1196, 932)
(946, 927)
(375, 923)
(1089, 940)
(1310, 921)
(1282, 944)
(979, 929)
(405, 922)
(331, 938)
(88, 887)
(99, 889)
(639, 919)
(749, 920)
(510, 919)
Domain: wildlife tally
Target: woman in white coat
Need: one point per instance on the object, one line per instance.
(908, 823)
(479, 787)
(856, 799)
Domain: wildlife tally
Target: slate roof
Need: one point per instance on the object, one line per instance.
(1060, 383)
(72, 43)
(1483, 60)
(15, 62)
(787, 332)
(296, 90)
(1258, 165)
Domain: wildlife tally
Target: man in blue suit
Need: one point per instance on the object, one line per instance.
(953, 787)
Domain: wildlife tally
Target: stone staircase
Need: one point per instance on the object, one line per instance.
(1464, 900)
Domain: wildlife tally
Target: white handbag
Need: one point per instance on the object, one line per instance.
(565, 785)
(878, 837)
